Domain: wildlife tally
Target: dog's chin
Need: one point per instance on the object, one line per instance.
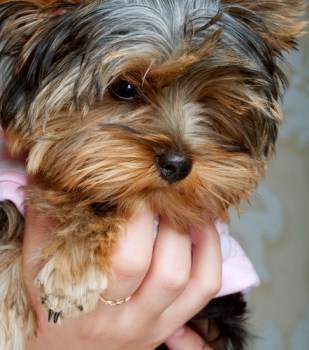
(183, 204)
(186, 203)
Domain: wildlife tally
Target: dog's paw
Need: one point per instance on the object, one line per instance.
(64, 296)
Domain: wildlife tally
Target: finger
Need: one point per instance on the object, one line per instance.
(169, 271)
(205, 280)
(186, 339)
(132, 257)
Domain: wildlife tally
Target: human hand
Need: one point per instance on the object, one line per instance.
(169, 279)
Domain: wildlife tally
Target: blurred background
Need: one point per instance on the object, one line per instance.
(275, 230)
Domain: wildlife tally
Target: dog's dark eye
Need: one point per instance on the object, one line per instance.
(124, 90)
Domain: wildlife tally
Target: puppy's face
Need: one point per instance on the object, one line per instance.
(174, 102)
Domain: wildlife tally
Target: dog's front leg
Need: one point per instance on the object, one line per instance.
(74, 276)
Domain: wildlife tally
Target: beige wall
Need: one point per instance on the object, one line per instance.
(275, 230)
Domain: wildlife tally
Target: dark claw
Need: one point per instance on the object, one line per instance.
(80, 308)
(50, 315)
(56, 316)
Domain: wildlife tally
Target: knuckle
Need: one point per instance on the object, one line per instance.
(173, 280)
(209, 290)
(130, 267)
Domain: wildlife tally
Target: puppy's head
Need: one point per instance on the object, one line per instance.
(174, 102)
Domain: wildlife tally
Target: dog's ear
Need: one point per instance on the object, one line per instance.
(275, 26)
(22, 44)
(18, 22)
(280, 19)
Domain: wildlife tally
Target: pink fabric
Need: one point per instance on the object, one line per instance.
(12, 177)
(238, 274)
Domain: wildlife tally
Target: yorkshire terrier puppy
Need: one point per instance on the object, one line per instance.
(114, 103)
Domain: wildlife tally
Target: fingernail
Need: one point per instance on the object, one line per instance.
(180, 331)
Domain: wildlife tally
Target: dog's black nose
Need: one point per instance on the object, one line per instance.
(174, 166)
